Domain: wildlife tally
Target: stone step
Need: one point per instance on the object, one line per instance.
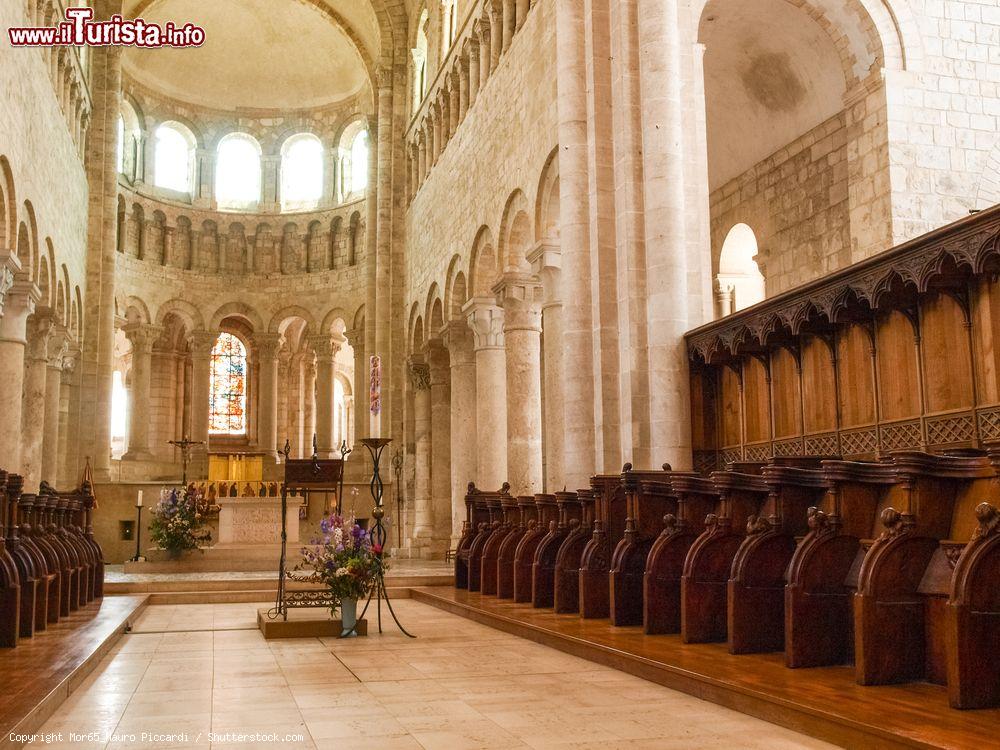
(180, 584)
(241, 597)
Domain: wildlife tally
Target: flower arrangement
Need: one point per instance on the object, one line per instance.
(178, 524)
(344, 558)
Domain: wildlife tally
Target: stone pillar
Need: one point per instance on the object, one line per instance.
(455, 109)
(486, 321)
(463, 89)
(69, 422)
(200, 344)
(326, 347)
(356, 338)
(100, 164)
(308, 404)
(485, 58)
(148, 157)
(474, 74)
(440, 382)
(421, 160)
(423, 527)
(458, 339)
(670, 291)
(580, 453)
(53, 387)
(545, 262)
(284, 397)
(521, 10)
(508, 23)
(496, 36)
(270, 198)
(267, 346)
(438, 131)
(36, 364)
(141, 337)
(521, 298)
(295, 405)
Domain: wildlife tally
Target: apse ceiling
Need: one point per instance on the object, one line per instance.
(259, 54)
(772, 74)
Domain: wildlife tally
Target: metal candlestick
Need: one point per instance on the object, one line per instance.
(397, 468)
(138, 534)
(279, 604)
(375, 447)
(344, 453)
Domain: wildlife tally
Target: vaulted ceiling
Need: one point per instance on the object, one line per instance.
(260, 54)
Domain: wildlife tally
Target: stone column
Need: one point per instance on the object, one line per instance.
(463, 89)
(521, 10)
(440, 382)
(455, 110)
(670, 292)
(438, 131)
(458, 339)
(580, 452)
(284, 397)
(474, 74)
(486, 321)
(509, 20)
(496, 35)
(308, 404)
(101, 155)
(423, 527)
(295, 405)
(545, 262)
(521, 298)
(270, 198)
(141, 337)
(200, 344)
(36, 363)
(356, 338)
(53, 387)
(69, 424)
(267, 346)
(485, 58)
(326, 347)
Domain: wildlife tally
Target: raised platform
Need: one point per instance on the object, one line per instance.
(38, 675)
(304, 623)
(222, 558)
(824, 702)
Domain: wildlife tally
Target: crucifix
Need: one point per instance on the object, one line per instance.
(185, 445)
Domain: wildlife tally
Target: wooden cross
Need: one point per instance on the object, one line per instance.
(185, 445)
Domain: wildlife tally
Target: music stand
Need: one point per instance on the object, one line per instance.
(378, 535)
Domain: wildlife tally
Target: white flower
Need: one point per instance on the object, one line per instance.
(341, 572)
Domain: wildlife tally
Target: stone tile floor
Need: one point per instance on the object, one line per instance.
(192, 670)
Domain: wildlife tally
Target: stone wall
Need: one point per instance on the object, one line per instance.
(44, 160)
(796, 202)
(500, 147)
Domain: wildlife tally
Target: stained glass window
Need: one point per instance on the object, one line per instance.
(227, 413)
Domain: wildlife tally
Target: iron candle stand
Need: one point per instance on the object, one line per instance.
(375, 447)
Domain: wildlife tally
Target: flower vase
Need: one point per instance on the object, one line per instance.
(173, 555)
(348, 618)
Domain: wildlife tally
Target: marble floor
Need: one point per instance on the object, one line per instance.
(188, 672)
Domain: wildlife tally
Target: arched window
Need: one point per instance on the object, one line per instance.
(359, 162)
(740, 282)
(119, 414)
(237, 172)
(173, 165)
(420, 62)
(301, 172)
(227, 411)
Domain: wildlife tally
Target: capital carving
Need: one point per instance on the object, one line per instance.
(458, 338)
(521, 298)
(356, 337)
(419, 372)
(546, 263)
(58, 346)
(142, 337)
(267, 345)
(327, 345)
(438, 362)
(41, 326)
(485, 319)
(6, 284)
(201, 343)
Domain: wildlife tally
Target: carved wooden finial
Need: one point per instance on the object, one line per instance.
(988, 517)
(626, 467)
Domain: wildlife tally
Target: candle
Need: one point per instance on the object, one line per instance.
(138, 500)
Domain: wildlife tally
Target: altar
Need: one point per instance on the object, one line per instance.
(256, 521)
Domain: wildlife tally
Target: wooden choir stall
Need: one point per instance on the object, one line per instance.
(844, 510)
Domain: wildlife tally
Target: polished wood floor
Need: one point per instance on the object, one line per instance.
(825, 702)
(43, 670)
